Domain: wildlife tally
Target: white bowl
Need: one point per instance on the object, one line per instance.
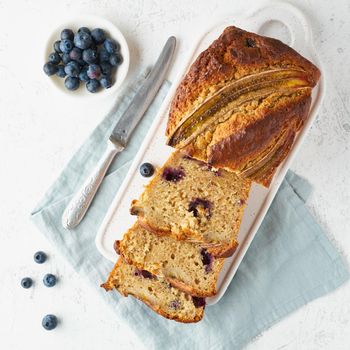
(111, 31)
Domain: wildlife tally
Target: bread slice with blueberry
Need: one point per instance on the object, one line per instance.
(191, 201)
(155, 292)
(186, 266)
(241, 104)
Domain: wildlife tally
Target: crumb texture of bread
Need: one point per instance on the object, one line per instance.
(155, 292)
(186, 266)
(236, 97)
(189, 200)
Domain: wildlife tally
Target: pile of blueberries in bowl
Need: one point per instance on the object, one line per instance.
(88, 57)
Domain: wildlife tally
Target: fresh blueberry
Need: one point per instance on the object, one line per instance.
(66, 46)
(26, 282)
(92, 85)
(83, 75)
(98, 35)
(94, 71)
(82, 63)
(106, 68)
(82, 40)
(67, 34)
(71, 83)
(49, 322)
(84, 30)
(50, 68)
(75, 54)
(90, 56)
(103, 55)
(111, 45)
(72, 69)
(146, 169)
(65, 58)
(115, 59)
(54, 58)
(56, 46)
(60, 71)
(49, 280)
(40, 257)
(106, 81)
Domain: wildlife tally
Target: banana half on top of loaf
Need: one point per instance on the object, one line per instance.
(241, 104)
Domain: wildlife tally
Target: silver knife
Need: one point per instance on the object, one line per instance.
(80, 203)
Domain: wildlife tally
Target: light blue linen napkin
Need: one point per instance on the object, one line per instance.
(289, 263)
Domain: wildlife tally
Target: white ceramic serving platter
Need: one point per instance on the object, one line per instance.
(282, 21)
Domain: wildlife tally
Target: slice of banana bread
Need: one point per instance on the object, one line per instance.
(186, 266)
(155, 292)
(191, 201)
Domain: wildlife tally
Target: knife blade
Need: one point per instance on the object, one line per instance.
(144, 96)
(79, 204)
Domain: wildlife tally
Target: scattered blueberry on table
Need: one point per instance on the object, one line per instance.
(49, 280)
(85, 56)
(40, 257)
(26, 282)
(147, 169)
(49, 322)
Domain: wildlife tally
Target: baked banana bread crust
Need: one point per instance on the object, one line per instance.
(155, 292)
(236, 97)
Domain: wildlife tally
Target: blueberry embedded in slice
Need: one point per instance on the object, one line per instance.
(173, 174)
(26, 282)
(50, 68)
(40, 257)
(175, 304)
(72, 83)
(146, 169)
(67, 34)
(49, 280)
(198, 302)
(143, 273)
(49, 322)
(207, 260)
(200, 205)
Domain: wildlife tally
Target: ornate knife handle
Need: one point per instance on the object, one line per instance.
(80, 203)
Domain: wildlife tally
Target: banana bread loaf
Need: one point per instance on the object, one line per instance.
(155, 292)
(241, 104)
(186, 266)
(191, 201)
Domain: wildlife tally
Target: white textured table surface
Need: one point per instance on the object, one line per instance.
(40, 131)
